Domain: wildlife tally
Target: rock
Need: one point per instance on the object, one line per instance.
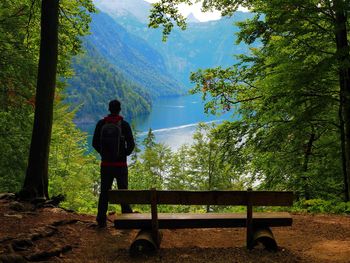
(22, 244)
(42, 232)
(18, 216)
(17, 206)
(38, 201)
(64, 222)
(12, 258)
(4, 239)
(35, 236)
(56, 210)
(55, 200)
(9, 196)
(45, 255)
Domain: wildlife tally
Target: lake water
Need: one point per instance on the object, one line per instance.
(173, 120)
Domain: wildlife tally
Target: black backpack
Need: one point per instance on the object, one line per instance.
(112, 141)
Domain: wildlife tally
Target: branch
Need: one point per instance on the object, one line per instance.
(18, 13)
(29, 20)
(314, 48)
(240, 101)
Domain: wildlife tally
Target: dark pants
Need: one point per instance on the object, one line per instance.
(107, 176)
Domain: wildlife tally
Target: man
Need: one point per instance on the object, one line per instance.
(114, 141)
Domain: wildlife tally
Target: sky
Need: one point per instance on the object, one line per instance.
(196, 10)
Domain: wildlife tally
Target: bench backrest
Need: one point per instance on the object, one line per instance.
(244, 198)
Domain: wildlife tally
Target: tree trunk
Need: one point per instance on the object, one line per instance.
(36, 180)
(344, 79)
(343, 151)
(307, 154)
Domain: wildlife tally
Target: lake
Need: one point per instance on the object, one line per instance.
(173, 120)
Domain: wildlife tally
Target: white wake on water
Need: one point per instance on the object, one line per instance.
(179, 127)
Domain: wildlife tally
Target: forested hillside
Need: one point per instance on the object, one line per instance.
(95, 82)
(133, 56)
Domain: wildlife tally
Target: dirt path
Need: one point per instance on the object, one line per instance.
(312, 238)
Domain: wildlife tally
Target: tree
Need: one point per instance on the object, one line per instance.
(36, 180)
(286, 89)
(73, 172)
(155, 159)
(18, 69)
(341, 11)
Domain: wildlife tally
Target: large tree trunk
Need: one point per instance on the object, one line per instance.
(36, 180)
(344, 78)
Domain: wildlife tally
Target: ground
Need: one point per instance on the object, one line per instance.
(55, 235)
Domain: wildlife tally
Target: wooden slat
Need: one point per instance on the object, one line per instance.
(249, 224)
(258, 198)
(209, 220)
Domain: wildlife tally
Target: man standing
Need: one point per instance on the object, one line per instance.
(114, 141)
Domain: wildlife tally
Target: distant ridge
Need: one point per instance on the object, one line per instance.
(133, 56)
(201, 45)
(192, 19)
(120, 8)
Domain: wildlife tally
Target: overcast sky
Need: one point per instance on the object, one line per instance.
(196, 10)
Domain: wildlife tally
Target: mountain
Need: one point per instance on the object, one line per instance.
(133, 56)
(138, 9)
(96, 82)
(127, 60)
(192, 19)
(201, 45)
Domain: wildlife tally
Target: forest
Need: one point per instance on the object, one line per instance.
(291, 94)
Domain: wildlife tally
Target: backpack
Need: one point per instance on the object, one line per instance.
(112, 141)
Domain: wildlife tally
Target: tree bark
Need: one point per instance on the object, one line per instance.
(307, 154)
(343, 151)
(36, 180)
(344, 79)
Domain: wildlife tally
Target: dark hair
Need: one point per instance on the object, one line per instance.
(114, 106)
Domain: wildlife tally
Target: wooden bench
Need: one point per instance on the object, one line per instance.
(257, 223)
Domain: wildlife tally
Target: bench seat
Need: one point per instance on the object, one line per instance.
(257, 224)
(204, 220)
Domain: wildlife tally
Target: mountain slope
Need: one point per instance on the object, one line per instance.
(96, 82)
(201, 45)
(133, 56)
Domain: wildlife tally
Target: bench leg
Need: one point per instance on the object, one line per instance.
(264, 236)
(144, 243)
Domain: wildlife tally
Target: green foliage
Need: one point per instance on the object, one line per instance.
(19, 48)
(72, 172)
(158, 18)
(322, 206)
(285, 94)
(199, 166)
(18, 67)
(14, 141)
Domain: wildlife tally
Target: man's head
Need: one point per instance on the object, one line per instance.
(114, 106)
